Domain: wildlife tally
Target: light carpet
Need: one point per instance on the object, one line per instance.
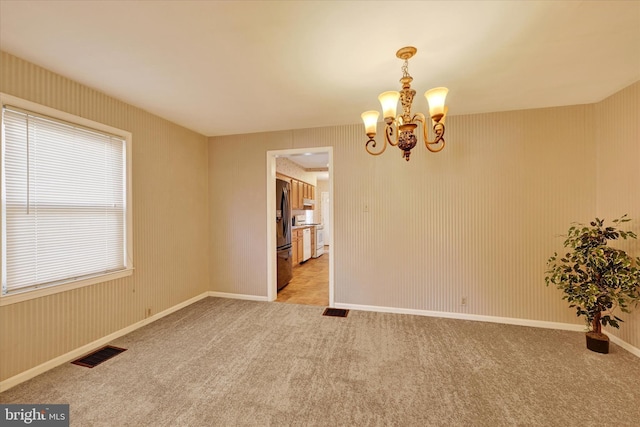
(222, 362)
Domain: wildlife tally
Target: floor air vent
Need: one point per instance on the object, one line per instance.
(335, 312)
(99, 356)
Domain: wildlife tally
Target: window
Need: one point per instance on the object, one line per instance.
(66, 201)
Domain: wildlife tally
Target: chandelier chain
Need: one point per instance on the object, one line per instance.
(405, 69)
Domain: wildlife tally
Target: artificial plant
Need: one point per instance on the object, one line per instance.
(596, 278)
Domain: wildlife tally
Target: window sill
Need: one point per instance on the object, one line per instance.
(50, 290)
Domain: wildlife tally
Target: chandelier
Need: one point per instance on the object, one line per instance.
(399, 130)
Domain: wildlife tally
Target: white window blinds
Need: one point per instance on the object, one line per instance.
(65, 203)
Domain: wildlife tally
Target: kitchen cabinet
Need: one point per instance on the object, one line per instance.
(297, 194)
(294, 249)
(294, 194)
(302, 243)
(300, 246)
(297, 246)
(300, 194)
(299, 191)
(283, 177)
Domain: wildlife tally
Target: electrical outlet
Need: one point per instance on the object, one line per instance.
(148, 312)
(464, 301)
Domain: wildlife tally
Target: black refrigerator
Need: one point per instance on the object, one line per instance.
(283, 233)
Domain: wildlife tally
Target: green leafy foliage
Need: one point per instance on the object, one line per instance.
(596, 279)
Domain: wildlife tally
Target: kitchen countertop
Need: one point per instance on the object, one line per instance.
(296, 227)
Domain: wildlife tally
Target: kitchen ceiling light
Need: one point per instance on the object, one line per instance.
(405, 124)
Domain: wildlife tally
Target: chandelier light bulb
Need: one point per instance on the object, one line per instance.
(370, 119)
(435, 98)
(389, 102)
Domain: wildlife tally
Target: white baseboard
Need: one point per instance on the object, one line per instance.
(37, 370)
(80, 351)
(237, 296)
(493, 319)
(631, 349)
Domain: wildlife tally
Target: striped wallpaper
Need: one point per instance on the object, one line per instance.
(618, 175)
(169, 228)
(476, 221)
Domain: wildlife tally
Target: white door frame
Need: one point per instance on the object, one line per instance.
(272, 291)
(326, 202)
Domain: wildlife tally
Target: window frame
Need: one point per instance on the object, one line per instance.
(31, 293)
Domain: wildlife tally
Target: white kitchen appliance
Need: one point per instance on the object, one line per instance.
(299, 220)
(306, 244)
(319, 249)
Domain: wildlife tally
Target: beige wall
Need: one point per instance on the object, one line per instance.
(170, 227)
(237, 205)
(618, 171)
(477, 220)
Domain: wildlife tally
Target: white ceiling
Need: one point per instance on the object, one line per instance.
(247, 66)
(312, 161)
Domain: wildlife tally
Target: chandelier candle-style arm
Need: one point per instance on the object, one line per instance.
(370, 119)
(438, 130)
(388, 134)
(400, 130)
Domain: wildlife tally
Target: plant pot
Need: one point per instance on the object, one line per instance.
(597, 342)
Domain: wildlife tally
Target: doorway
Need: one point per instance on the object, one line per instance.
(311, 271)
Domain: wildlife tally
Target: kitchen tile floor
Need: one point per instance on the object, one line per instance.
(310, 283)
